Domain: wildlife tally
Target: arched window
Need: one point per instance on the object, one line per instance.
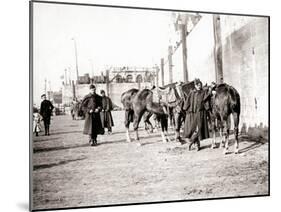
(150, 78)
(118, 79)
(139, 78)
(129, 78)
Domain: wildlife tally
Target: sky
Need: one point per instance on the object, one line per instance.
(104, 36)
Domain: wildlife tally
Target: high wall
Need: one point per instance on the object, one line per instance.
(244, 58)
(245, 64)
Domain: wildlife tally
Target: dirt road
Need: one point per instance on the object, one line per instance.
(70, 173)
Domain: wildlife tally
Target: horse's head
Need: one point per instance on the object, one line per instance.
(186, 88)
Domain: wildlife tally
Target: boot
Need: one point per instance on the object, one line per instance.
(92, 142)
(48, 130)
(95, 142)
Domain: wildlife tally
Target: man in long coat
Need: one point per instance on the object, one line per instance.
(196, 106)
(91, 106)
(106, 117)
(46, 109)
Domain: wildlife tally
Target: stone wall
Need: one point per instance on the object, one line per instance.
(244, 58)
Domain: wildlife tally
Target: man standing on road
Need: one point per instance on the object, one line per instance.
(46, 109)
(196, 125)
(91, 106)
(106, 117)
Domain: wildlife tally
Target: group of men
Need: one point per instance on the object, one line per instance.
(97, 110)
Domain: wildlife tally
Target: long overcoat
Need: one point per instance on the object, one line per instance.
(106, 117)
(92, 124)
(196, 107)
(46, 110)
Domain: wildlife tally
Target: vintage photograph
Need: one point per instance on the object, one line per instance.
(142, 105)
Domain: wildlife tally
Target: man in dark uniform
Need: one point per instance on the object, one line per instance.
(106, 117)
(91, 106)
(196, 106)
(46, 109)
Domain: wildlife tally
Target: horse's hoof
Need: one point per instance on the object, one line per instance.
(225, 152)
(138, 144)
(236, 151)
(213, 146)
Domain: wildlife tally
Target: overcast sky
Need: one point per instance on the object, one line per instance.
(107, 36)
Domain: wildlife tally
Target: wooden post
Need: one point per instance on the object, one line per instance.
(73, 90)
(170, 61)
(45, 86)
(65, 76)
(218, 48)
(162, 72)
(184, 51)
(107, 82)
(157, 76)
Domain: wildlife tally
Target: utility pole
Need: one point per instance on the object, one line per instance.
(76, 59)
(50, 90)
(157, 76)
(73, 90)
(170, 61)
(184, 51)
(69, 75)
(162, 72)
(45, 86)
(107, 82)
(65, 76)
(218, 48)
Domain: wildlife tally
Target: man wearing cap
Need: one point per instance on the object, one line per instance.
(106, 117)
(196, 106)
(46, 109)
(91, 106)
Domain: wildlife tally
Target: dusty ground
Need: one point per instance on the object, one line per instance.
(70, 173)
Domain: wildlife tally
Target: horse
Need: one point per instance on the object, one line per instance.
(137, 103)
(224, 101)
(75, 110)
(173, 95)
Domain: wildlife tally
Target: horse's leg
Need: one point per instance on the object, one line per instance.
(178, 118)
(227, 123)
(165, 122)
(148, 125)
(213, 122)
(164, 127)
(137, 118)
(236, 130)
(127, 124)
(221, 129)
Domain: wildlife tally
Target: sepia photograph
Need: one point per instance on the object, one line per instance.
(136, 105)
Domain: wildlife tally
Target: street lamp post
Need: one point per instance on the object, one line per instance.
(76, 59)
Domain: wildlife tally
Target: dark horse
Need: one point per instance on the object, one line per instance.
(136, 103)
(225, 100)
